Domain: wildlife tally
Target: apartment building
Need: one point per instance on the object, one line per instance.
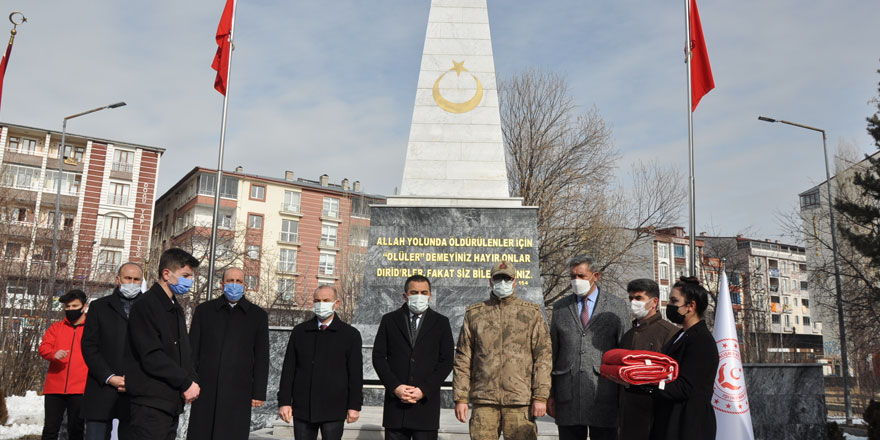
(663, 257)
(775, 296)
(106, 207)
(289, 234)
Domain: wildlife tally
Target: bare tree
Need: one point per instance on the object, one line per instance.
(562, 160)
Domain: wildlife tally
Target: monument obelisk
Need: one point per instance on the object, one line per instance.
(454, 216)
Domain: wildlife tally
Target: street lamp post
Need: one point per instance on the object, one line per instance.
(54, 256)
(842, 327)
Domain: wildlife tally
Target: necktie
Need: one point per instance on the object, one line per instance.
(322, 327)
(414, 325)
(585, 314)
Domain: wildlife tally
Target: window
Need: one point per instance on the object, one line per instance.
(785, 300)
(734, 278)
(286, 288)
(806, 320)
(258, 192)
(225, 221)
(255, 221)
(109, 261)
(810, 199)
(774, 299)
(774, 319)
(70, 182)
(74, 154)
(252, 282)
(759, 282)
(17, 215)
(228, 189)
(23, 145)
(291, 201)
(118, 194)
(23, 177)
(805, 302)
(664, 271)
(287, 260)
(662, 250)
(331, 207)
(758, 263)
(794, 285)
(66, 220)
(328, 235)
(679, 251)
(359, 235)
(44, 253)
(253, 251)
(664, 293)
(802, 267)
(797, 319)
(788, 320)
(360, 207)
(289, 231)
(114, 227)
(327, 264)
(736, 297)
(13, 250)
(123, 160)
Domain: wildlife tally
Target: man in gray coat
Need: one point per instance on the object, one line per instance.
(585, 325)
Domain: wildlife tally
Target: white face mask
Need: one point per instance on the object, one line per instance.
(638, 308)
(129, 291)
(417, 303)
(581, 287)
(502, 289)
(323, 310)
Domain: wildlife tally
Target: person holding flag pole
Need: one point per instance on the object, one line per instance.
(223, 65)
(730, 400)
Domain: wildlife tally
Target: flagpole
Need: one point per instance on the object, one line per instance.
(691, 187)
(212, 251)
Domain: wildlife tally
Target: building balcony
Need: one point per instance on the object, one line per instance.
(122, 170)
(291, 209)
(106, 268)
(291, 238)
(774, 273)
(287, 267)
(117, 199)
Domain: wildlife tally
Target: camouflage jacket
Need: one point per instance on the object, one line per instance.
(503, 355)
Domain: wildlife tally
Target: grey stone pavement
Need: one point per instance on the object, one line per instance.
(369, 427)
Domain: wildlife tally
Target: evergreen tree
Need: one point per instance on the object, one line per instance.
(864, 211)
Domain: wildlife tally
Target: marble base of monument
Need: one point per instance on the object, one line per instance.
(787, 401)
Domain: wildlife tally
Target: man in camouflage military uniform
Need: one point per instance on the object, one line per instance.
(502, 363)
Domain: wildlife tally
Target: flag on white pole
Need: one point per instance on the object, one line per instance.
(730, 399)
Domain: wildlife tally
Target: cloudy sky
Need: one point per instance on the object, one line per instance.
(328, 86)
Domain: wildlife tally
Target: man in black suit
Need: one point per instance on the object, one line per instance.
(103, 347)
(230, 344)
(322, 378)
(159, 373)
(412, 355)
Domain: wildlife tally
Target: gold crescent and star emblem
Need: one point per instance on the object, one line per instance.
(457, 107)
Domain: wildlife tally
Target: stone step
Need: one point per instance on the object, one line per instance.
(369, 427)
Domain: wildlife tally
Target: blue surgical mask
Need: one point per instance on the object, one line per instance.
(182, 287)
(233, 291)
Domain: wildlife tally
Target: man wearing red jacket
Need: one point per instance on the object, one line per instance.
(66, 379)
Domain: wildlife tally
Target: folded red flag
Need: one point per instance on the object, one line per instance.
(638, 367)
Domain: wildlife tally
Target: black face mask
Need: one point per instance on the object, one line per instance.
(673, 315)
(73, 315)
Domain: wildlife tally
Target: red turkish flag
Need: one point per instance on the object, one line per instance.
(3, 67)
(701, 72)
(224, 47)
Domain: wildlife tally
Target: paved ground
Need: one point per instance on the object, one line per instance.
(369, 427)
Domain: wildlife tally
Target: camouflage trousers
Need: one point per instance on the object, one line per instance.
(489, 421)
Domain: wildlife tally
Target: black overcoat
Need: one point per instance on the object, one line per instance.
(158, 362)
(683, 410)
(230, 349)
(103, 349)
(323, 375)
(424, 364)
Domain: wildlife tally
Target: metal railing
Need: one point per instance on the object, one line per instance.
(290, 207)
(287, 266)
(117, 199)
(289, 237)
(122, 167)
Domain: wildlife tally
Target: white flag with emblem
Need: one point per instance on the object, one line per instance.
(730, 399)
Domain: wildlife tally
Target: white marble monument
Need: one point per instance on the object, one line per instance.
(455, 155)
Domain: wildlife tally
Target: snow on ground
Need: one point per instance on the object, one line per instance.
(842, 420)
(853, 437)
(25, 416)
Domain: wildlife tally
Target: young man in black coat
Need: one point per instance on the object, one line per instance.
(322, 378)
(230, 345)
(412, 355)
(103, 345)
(159, 374)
